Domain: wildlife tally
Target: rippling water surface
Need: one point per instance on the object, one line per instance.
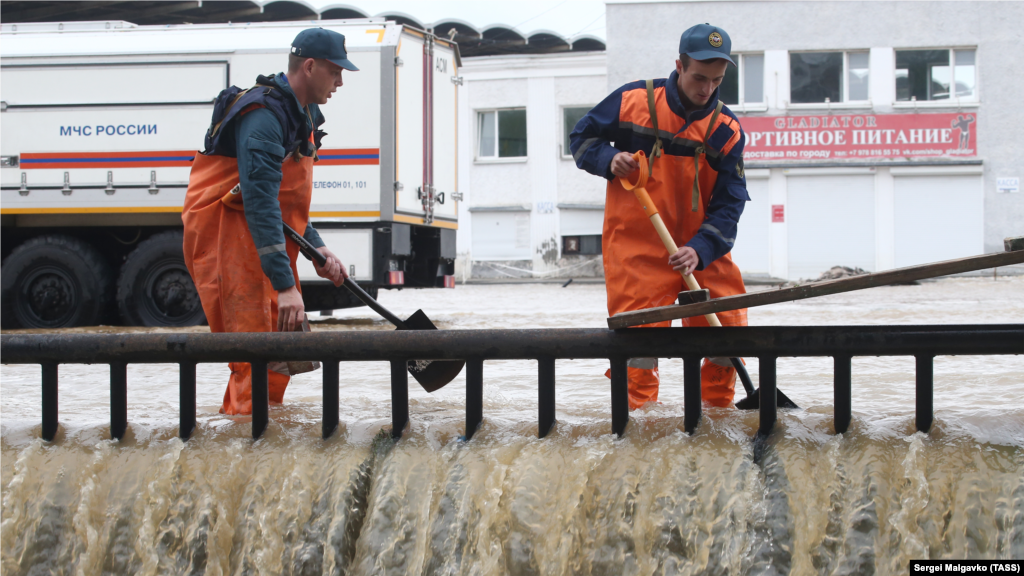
(578, 502)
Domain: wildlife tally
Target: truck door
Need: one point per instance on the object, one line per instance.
(409, 128)
(426, 147)
(444, 153)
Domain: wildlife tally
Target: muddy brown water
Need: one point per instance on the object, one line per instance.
(578, 502)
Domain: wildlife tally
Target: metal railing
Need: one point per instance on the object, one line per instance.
(475, 346)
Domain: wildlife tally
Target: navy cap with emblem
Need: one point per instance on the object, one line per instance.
(704, 42)
(324, 44)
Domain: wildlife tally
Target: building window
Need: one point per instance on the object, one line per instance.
(585, 245)
(743, 83)
(502, 133)
(927, 75)
(828, 77)
(570, 116)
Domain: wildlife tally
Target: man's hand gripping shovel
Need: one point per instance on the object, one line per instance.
(432, 375)
(751, 402)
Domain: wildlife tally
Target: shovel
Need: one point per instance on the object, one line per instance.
(432, 375)
(752, 401)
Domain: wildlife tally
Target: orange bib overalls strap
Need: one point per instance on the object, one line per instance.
(698, 154)
(656, 151)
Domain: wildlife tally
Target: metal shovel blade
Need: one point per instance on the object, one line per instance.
(431, 374)
(753, 401)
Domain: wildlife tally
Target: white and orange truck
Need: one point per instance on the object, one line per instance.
(100, 121)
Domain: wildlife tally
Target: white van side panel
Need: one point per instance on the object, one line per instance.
(354, 247)
(114, 83)
(347, 178)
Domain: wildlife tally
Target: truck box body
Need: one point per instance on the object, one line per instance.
(101, 122)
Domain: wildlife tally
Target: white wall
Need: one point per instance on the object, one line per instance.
(533, 187)
(752, 251)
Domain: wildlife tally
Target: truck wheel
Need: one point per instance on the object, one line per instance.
(54, 282)
(155, 288)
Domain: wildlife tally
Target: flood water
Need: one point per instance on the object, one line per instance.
(580, 501)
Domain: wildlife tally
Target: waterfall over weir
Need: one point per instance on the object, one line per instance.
(578, 502)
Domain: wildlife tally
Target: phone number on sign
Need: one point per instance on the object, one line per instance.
(339, 184)
(783, 154)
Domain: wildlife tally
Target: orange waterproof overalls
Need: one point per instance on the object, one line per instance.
(637, 274)
(221, 256)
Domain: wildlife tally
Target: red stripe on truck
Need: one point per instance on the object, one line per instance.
(148, 159)
(348, 156)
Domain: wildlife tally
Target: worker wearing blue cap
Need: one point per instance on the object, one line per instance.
(694, 146)
(255, 174)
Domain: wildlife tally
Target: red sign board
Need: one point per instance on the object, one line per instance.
(778, 212)
(859, 136)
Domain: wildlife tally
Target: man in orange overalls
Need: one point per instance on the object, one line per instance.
(263, 140)
(696, 181)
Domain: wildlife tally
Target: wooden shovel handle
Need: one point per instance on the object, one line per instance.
(670, 245)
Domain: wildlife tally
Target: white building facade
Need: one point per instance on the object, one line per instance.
(527, 210)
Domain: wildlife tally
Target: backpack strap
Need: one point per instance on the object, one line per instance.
(267, 89)
(656, 151)
(697, 154)
(216, 127)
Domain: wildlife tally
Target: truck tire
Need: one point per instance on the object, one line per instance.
(155, 288)
(54, 281)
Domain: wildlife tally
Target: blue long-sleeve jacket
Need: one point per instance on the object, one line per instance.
(600, 135)
(260, 146)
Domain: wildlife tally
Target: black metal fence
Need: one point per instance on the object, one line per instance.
(475, 346)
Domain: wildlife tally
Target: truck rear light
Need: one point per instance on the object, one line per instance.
(449, 281)
(396, 278)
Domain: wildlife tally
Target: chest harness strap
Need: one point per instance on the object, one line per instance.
(697, 154)
(656, 151)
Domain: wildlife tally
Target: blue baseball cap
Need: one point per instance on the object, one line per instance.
(704, 42)
(324, 44)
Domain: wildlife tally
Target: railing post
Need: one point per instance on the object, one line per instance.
(474, 395)
(545, 395)
(49, 401)
(691, 393)
(842, 384)
(766, 377)
(260, 398)
(399, 397)
(925, 399)
(620, 396)
(332, 377)
(186, 399)
(118, 399)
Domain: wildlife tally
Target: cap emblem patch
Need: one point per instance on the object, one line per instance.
(715, 39)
